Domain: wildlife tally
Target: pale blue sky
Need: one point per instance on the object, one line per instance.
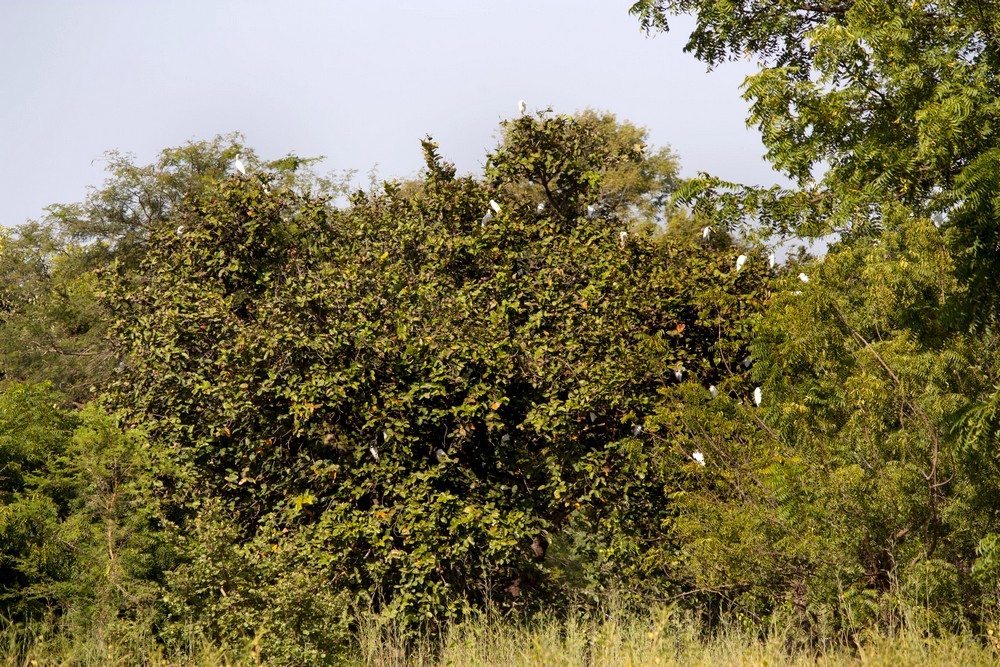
(358, 82)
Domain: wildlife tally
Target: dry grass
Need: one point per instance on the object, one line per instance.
(665, 638)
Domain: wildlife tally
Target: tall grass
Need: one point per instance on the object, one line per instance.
(663, 637)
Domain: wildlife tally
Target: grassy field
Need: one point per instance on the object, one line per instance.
(663, 639)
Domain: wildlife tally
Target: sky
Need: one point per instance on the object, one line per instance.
(359, 82)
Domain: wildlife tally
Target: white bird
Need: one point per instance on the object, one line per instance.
(238, 165)
(758, 395)
(591, 210)
(540, 207)
(622, 236)
(522, 107)
(439, 454)
(636, 430)
(740, 261)
(706, 232)
(699, 457)
(486, 218)
(679, 373)
(495, 206)
(770, 261)
(713, 391)
(180, 230)
(803, 277)
(374, 453)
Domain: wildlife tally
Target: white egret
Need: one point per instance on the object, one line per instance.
(679, 373)
(180, 230)
(495, 206)
(699, 457)
(591, 210)
(803, 277)
(758, 395)
(522, 106)
(636, 430)
(770, 261)
(713, 391)
(541, 207)
(740, 261)
(706, 232)
(238, 165)
(622, 235)
(374, 453)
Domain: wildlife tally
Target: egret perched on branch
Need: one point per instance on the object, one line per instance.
(679, 373)
(522, 107)
(803, 277)
(541, 207)
(238, 165)
(622, 235)
(374, 453)
(699, 457)
(495, 206)
(770, 261)
(758, 396)
(591, 210)
(706, 232)
(713, 391)
(740, 261)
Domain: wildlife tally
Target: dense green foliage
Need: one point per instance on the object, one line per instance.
(573, 377)
(420, 393)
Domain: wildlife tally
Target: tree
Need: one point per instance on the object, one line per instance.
(78, 538)
(419, 397)
(869, 104)
(52, 327)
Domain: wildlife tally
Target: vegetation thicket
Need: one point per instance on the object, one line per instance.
(254, 415)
